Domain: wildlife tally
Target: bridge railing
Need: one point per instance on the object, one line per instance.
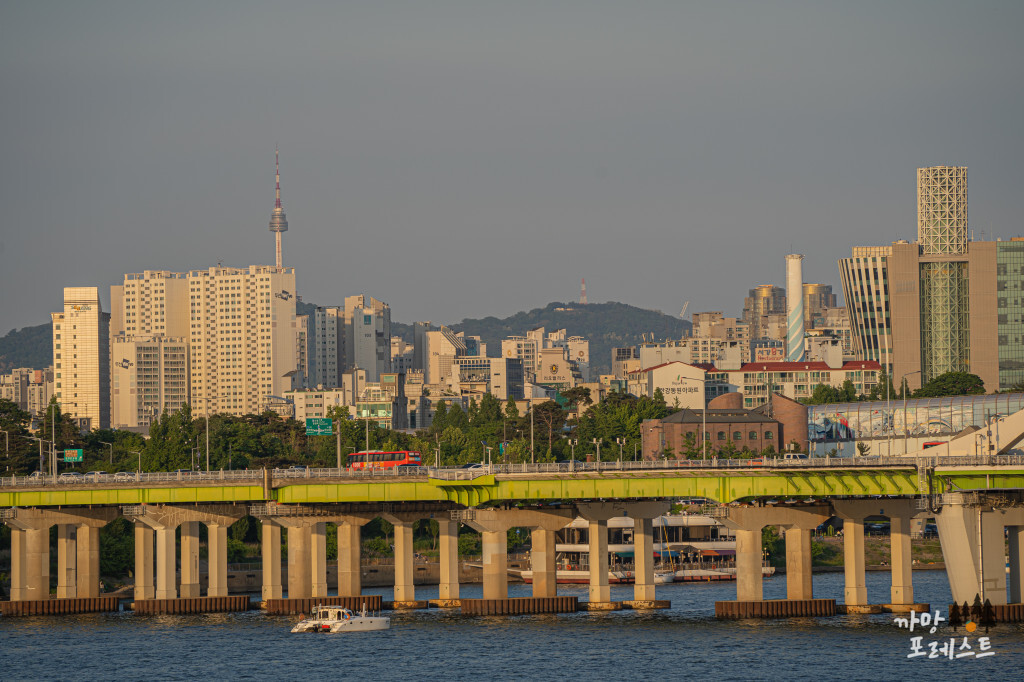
(462, 473)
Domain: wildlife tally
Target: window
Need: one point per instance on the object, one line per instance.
(768, 435)
(737, 435)
(721, 435)
(752, 435)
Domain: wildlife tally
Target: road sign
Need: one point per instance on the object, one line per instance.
(319, 426)
(73, 455)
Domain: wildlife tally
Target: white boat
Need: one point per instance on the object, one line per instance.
(664, 578)
(340, 619)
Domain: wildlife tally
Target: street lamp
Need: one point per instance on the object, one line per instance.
(573, 442)
(620, 441)
(139, 453)
(906, 425)
(41, 458)
(597, 442)
(111, 450)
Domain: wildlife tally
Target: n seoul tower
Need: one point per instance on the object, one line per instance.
(278, 221)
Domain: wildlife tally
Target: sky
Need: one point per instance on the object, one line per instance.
(464, 159)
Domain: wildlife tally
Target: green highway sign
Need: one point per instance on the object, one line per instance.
(319, 426)
(73, 455)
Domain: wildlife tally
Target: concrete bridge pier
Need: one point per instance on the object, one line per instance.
(598, 514)
(270, 550)
(494, 524)
(155, 529)
(448, 585)
(542, 563)
(405, 589)
(78, 565)
(798, 522)
(350, 581)
(900, 513)
(972, 536)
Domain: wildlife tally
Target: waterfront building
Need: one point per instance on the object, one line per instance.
(81, 358)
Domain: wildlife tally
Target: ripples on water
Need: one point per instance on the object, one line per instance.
(684, 641)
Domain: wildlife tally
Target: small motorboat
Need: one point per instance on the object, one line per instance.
(340, 619)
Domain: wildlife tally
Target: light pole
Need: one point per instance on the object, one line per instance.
(41, 457)
(531, 431)
(572, 448)
(139, 453)
(597, 442)
(111, 450)
(906, 425)
(620, 441)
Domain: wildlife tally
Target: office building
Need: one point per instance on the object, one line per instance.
(81, 358)
(148, 375)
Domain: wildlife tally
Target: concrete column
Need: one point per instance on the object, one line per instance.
(974, 552)
(643, 556)
(798, 564)
(271, 553)
(542, 563)
(900, 558)
(856, 592)
(350, 582)
(189, 559)
(448, 588)
(19, 565)
(299, 571)
(1016, 564)
(217, 560)
(318, 559)
(88, 561)
(67, 562)
(166, 563)
(597, 534)
(404, 588)
(37, 563)
(143, 562)
(495, 550)
(749, 573)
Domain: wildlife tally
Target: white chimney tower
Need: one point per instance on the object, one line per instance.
(794, 308)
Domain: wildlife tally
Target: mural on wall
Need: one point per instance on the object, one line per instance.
(924, 417)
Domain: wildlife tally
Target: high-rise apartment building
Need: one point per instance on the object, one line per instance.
(764, 302)
(148, 374)
(242, 337)
(81, 358)
(150, 303)
(367, 335)
(328, 345)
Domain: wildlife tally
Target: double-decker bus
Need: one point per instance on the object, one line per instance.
(378, 459)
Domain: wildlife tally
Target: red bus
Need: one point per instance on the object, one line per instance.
(378, 459)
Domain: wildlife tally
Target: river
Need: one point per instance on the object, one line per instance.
(682, 642)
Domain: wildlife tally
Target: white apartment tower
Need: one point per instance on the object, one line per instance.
(328, 346)
(81, 358)
(148, 374)
(242, 337)
(367, 336)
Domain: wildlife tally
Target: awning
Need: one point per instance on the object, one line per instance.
(718, 552)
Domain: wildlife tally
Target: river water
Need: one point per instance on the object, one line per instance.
(681, 642)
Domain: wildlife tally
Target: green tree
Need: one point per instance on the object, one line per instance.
(511, 410)
(951, 384)
(550, 416)
(440, 421)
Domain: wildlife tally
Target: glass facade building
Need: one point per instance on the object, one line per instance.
(1010, 311)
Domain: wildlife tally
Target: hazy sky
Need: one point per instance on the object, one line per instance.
(463, 159)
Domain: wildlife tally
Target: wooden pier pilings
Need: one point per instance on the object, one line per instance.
(47, 607)
(522, 605)
(775, 608)
(288, 607)
(191, 605)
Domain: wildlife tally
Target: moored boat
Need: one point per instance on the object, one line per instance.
(340, 619)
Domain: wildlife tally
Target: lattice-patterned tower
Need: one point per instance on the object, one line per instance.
(942, 231)
(278, 221)
(795, 308)
(942, 209)
(583, 291)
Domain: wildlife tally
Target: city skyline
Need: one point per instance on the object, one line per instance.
(640, 150)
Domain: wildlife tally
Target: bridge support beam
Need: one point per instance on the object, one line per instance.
(405, 589)
(30, 551)
(144, 587)
(163, 520)
(494, 525)
(973, 549)
(318, 559)
(88, 570)
(270, 551)
(299, 570)
(1016, 578)
(542, 563)
(798, 522)
(598, 514)
(67, 562)
(900, 513)
(189, 559)
(448, 586)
